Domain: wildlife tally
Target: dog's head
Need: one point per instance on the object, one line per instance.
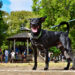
(35, 24)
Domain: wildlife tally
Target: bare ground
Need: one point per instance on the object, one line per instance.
(26, 69)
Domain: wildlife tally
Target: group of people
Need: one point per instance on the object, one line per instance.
(4, 55)
(10, 56)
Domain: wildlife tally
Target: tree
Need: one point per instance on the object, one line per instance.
(1, 4)
(10, 24)
(56, 11)
(17, 19)
(3, 26)
(36, 6)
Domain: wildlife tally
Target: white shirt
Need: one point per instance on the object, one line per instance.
(6, 52)
(12, 54)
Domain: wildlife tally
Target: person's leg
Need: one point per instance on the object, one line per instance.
(5, 58)
(1, 58)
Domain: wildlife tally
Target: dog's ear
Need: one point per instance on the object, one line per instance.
(43, 18)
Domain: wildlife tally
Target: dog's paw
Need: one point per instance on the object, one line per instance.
(66, 68)
(45, 68)
(34, 68)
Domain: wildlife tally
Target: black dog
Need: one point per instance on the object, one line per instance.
(43, 40)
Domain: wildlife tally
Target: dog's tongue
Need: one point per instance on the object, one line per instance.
(34, 30)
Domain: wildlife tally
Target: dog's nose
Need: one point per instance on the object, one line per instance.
(33, 25)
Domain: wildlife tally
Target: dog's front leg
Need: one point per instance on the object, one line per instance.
(35, 59)
(46, 61)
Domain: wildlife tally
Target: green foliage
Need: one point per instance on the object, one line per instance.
(56, 12)
(3, 28)
(4, 46)
(1, 4)
(17, 19)
(55, 51)
(10, 24)
(36, 6)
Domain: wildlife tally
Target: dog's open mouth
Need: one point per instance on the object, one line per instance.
(34, 29)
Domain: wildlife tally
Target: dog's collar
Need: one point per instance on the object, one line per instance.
(36, 37)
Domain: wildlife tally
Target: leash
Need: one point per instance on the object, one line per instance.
(71, 20)
(58, 25)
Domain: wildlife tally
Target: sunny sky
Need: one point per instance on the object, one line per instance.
(16, 5)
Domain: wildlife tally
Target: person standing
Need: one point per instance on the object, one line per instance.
(24, 56)
(6, 56)
(1, 54)
(12, 56)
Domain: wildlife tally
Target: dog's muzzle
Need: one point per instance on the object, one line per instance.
(34, 28)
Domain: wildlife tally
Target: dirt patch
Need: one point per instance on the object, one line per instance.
(26, 69)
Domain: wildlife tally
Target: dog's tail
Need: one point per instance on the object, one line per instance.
(62, 23)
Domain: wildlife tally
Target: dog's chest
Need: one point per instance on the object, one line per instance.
(40, 44)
